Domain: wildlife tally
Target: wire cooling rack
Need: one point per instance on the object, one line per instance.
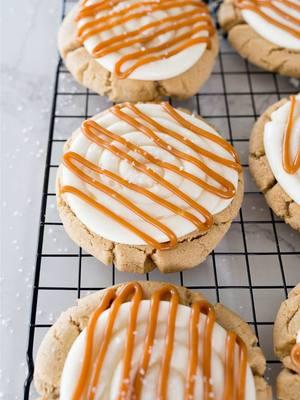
(250, 271)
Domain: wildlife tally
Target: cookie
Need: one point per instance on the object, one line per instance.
(265, 33)
(141, 51)
(147, 186)
(275, 158)
(287, 346)
(143, 340)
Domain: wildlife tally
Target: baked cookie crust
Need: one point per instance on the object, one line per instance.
(286, 326)
(255, 48)
(192, 249)
(87, 71)
(277, 199)
(60, 337)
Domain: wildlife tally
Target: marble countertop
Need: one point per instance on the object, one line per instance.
(28, 61)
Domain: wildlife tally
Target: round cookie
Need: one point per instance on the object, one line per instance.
(276, 196)
(102, 78)
(259, 42)
(64, 343)
(286, 334)
(178, 237)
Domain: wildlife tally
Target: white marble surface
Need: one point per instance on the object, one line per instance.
(28, 60)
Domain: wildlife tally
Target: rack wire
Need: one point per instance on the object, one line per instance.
(251, 270)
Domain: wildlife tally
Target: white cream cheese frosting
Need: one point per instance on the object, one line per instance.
(164, 68)
(273, 143)
(110, 229)
(111, 372)
(271, 32)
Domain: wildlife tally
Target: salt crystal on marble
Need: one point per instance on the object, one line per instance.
(5, 322)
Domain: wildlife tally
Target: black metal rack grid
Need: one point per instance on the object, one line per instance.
(255, 265)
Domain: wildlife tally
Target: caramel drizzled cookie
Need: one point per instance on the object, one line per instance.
(150, 340)
(266, 32)
(148, 186)
(141, 50)
(275, 158)
(287, 346)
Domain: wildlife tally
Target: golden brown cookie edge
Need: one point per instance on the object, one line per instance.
(54, 348)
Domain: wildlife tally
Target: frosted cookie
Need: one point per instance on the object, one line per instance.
(133, 50)
(287, 346)
(266, 32)
(150, 340)
(275, 158)
(148, 186)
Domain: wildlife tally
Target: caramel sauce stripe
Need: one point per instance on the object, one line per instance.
(200, 23)
(84, 32)
(257, 5)
(69, 159)
(88, 351)
(194, 350)
(141, 167)
(229, 188)
(132, 385)
(201, 132)
(92, 10)
(162, 48)
(95, 133)
(290, 166)
(227, 193)
(120, 41)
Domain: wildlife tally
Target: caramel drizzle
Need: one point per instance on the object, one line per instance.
(290, 166)
(257, 5)
(198, 16)
(295, 356)
(90, 375)
(101, 136)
